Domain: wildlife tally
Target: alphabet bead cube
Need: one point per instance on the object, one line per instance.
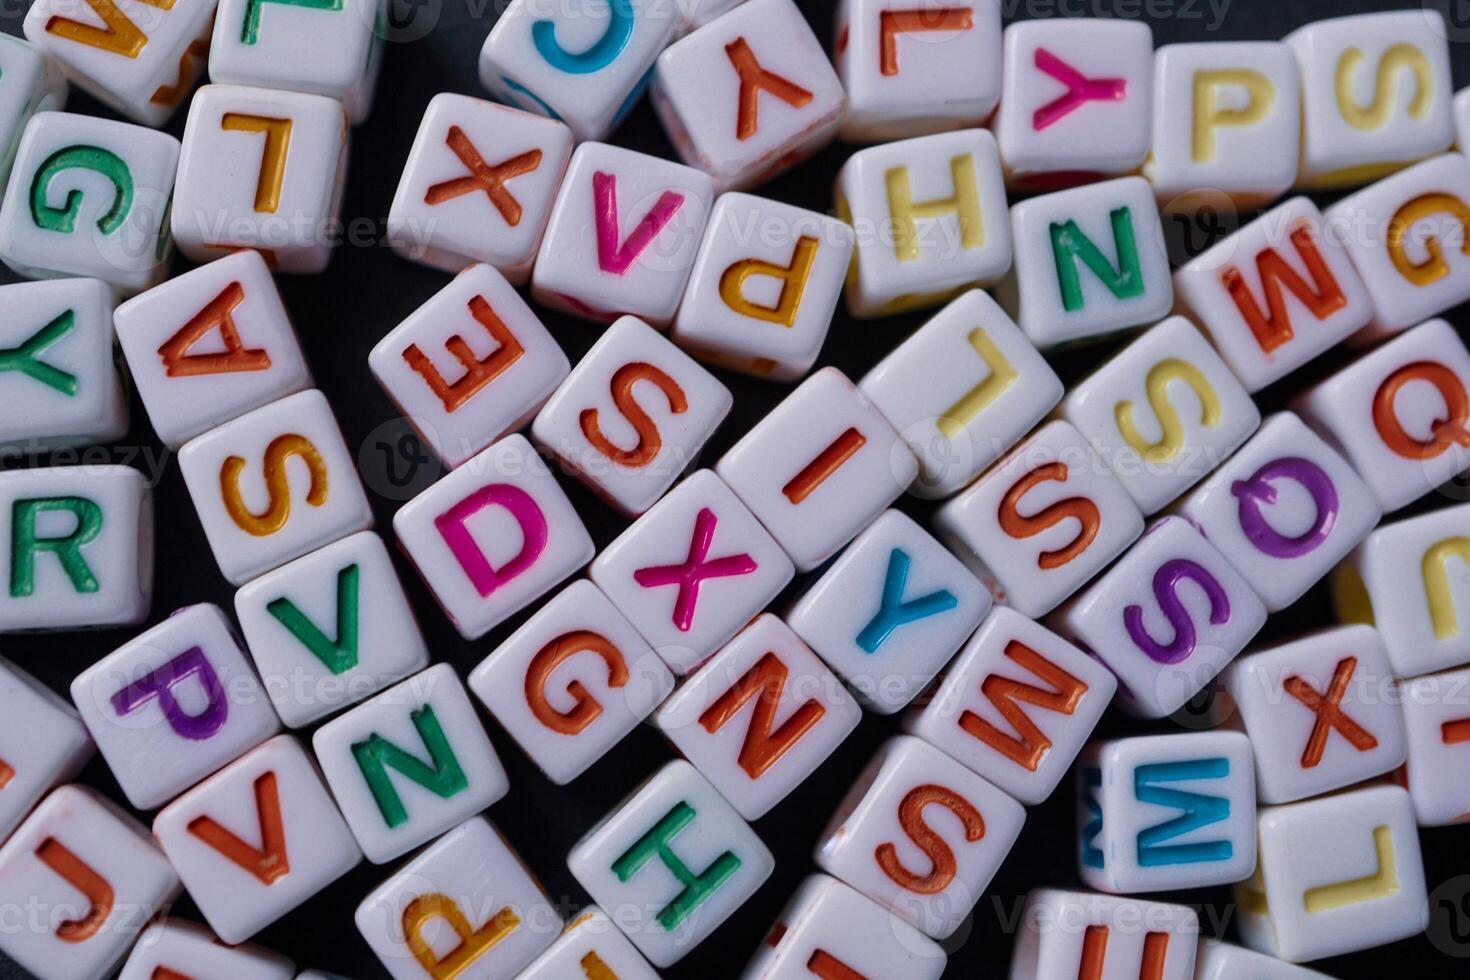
(881, 840)
(32, 83)
(1043, 521)
(749, 94)
(1166, 618)
(173, 705)
(572, 682)
(1089, 262)
(1283, 510)
(80, 541)
(138, 58)
(828, 927)
(210, 345)
(333, 49)
(1017, 705)
(962, 389)
(910, 70)
(1222, 961)
(58, 374)
(1414, 391)
(759, 717)
(330, 628)
(688, 600)
(304, 494)
(261, 169)
(469, 365)
(819, 468)
(89, 197)
(622, 235)
(1337, 875)
(583, 67)
(1409, 579)
(182, 948)
(889, 613)
(672, 863)
(1076, 100)
(42, 744)
(409, 764)
(1437, 720)
(478, 186)
(1063, 934)
(930, 217)
(96, 875)
(466, 906)
(1376, 94)
(493, 536)
(1164, 812)
(1401, 234)
(632, 416)
(761, 303)
(1320, 712)
(1163, 412)
(273, 795)
(1226, 120)
(1275, 294)
(590, 943)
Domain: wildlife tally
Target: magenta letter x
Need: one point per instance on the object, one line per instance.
(694, 570)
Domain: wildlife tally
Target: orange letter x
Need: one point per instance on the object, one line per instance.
(484, 177)
(1329, 713)
(754, 78)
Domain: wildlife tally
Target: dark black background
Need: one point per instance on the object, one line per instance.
(368, 290)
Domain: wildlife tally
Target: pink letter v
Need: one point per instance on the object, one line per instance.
(611, 256)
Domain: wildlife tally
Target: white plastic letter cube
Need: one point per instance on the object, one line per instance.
(911, 69)
(572, 682)
(1337, 875)
(765, 284)
(632, 416)
(182, 948)
(273, 485)
(210, 345)
(59, 378)
(591, 942)
(693, 570)
(478, 186)
(493, 536)
(1283, 510)
(330, 628)
(622, 236)
(42, 744)
(80, 542)
(1320, 711)
(672, 862)
(262, 169)
(1437, 719)
(90, 197)
(921, 835)
(1222, 961)
(759, 716)
(819, 468)
(1065, 934)
(174, 705)
(1376, 94)
(1166, 618)
(930, 217)
(962, 389)
(257, 839)
(410, 764)
(749, 94)
(1089, 262)
(1017, 705)
(469, 365)
(32, 83)
(1043, 521)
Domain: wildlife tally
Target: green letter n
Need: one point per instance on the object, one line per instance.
(444, 778)
(1068, 244)
(26, 542)
(339, 656)
(697, 887)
